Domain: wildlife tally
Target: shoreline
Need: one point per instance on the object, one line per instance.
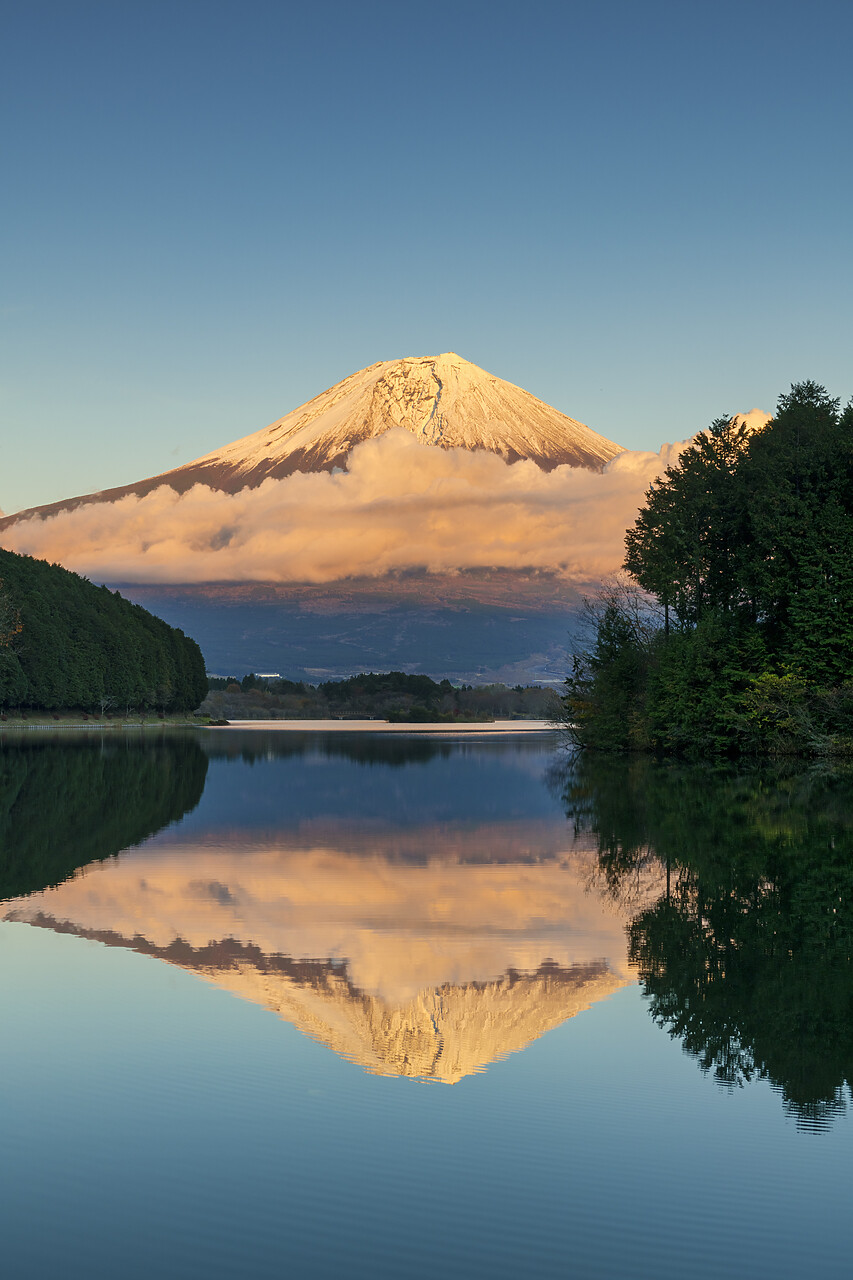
(385, 726)
(495, 727)
(85, 726)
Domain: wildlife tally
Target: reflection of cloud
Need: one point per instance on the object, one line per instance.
(399, 505)
(400, 928)
(428, 970)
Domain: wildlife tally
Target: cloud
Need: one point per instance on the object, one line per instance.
(400, 505)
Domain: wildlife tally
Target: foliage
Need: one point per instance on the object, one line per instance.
(746, 546)
(606, 690)
(393, 695)
(10, 620)
(77, 645)
(687, 544)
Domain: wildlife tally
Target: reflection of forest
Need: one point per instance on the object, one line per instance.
(747, 954)
(738, 886)
(64, 805)
(423, 939)
(395, 750)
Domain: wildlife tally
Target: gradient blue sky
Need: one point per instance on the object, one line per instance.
(641, 213)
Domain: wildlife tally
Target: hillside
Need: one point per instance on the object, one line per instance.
(67, 643)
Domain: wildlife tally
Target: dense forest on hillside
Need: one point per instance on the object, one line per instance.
(392, 695)
(66, 643)
(733, 632)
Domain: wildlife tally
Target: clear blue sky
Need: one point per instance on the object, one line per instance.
(212, 211)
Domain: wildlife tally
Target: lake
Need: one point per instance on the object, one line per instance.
(311, 1005)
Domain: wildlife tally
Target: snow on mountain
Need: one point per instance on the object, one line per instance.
(443, 401)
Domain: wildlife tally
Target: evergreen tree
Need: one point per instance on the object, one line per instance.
(747, 543)
(66, 643)
(688, 542)
(799, 475)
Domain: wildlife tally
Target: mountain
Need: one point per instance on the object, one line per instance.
(474, 627)
(444, 401)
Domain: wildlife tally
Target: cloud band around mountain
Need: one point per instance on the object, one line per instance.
(400, 505)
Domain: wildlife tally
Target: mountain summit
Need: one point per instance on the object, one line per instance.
(444, 401)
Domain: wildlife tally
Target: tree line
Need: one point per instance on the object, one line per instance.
(396, 696)
(733, 630)
(65, 643)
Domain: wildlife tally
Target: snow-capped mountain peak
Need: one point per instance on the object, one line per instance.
(444, 401)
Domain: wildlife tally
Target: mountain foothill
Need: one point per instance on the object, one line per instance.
(66, 643)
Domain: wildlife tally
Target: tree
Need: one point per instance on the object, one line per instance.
(10, 619)
(67, 643)
(688, 540)
(799, 474)
(604, 693)
(747, 544)
(13, 682)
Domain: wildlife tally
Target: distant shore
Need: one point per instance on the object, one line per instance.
(384, 726)
(18, 725)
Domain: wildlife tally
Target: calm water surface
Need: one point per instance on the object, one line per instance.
(284, 1005)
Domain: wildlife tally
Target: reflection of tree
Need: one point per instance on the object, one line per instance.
(747, 953)
(63, 805)
(362, 748)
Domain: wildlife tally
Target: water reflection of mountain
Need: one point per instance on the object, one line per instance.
(746, 953)
(426, 921)
(63, 806)
(420, 968)
(259, 783)
(395, 750)
(441, 1033)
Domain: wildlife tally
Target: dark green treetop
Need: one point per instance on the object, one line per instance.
(78, 645)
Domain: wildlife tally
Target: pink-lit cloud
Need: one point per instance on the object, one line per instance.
(400, 505)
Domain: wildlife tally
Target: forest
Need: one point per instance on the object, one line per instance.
(396, 696)
(65, 643)
(731, 630)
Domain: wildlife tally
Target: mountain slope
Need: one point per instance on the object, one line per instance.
(444, 401)
(67, 643)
